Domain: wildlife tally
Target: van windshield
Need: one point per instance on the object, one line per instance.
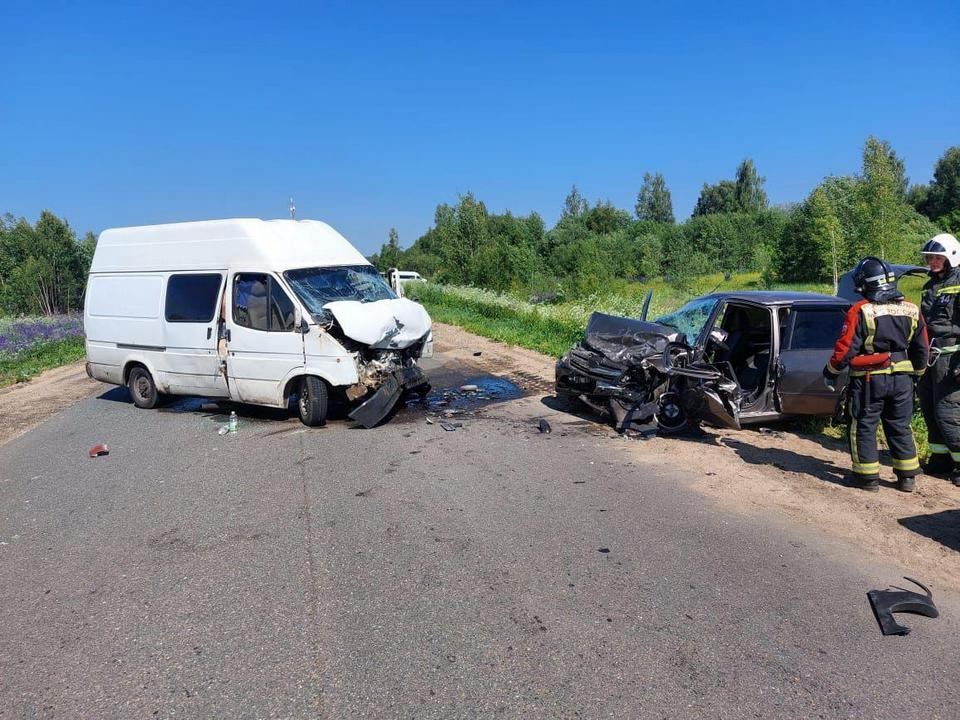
(318, 286)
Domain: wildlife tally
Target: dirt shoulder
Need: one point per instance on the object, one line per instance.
(752, 471)
(25, 405)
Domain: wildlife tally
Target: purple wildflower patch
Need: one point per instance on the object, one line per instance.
(17, 336)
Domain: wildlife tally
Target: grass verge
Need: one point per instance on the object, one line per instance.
(42, 356)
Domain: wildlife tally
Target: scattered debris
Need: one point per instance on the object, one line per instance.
(450, 427)
(887, 602)
(429, 421)
(544, 426)
(98, 450)
(478, 353)
(603, 550)
(645, 433)
(771, 432)
(364, 493)
(469, 388)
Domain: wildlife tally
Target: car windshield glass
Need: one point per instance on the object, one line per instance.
(690, 319)
(318, 286)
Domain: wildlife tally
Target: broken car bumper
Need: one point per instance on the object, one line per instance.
(378, 406)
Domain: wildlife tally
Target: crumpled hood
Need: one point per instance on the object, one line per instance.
(625, 340)
(386, 324)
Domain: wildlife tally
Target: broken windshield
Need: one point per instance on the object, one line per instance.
(690, 319)
(320, 285)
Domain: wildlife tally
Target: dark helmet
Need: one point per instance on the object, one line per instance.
(875, 280)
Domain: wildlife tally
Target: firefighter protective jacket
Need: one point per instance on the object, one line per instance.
(892, 327)
(941, 308)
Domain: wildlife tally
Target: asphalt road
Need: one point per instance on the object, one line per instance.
(411, 572)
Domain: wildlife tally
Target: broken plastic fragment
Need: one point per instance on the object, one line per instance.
(469, 388)
(544, 426)
(450, 427)
(887, 602)
(98, 450)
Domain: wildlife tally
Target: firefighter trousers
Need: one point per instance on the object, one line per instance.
(939, 391)
(886, 399)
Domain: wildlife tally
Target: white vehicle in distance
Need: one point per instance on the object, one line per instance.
(402, 276)
(408, 276)
(255, 311)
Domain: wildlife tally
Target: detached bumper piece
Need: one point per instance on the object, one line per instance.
(887, 602)
(378, 406)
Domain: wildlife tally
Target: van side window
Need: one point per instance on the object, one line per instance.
(816, 329)
(192, 298)
(259, 303)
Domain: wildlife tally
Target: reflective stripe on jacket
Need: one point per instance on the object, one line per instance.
(940, 304)
(892, 327)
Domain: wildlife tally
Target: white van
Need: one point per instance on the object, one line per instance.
(251, 310)
(406, 276)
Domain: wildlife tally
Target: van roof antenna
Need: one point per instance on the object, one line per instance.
(293, 210)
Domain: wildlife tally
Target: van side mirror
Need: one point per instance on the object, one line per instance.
(304, 326)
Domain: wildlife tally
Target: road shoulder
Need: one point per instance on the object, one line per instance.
(25, 405)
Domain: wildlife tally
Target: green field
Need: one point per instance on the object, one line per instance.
(43, 356)
(553, 328)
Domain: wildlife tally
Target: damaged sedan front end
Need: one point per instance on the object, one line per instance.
(646, 375)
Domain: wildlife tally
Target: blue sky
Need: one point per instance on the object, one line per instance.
(371, 114)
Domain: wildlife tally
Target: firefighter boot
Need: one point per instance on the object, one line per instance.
(955, 476)
(939, 464)
(906, 484)
(862, 483)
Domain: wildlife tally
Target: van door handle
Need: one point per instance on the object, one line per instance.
(209, 333)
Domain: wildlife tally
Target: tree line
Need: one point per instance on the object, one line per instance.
(732, 229)
(43, 267)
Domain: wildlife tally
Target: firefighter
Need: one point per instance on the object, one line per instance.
(884, 343)
(940, 388)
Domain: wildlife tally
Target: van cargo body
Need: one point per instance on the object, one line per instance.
(251, 310)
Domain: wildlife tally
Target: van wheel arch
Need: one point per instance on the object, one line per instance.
(141, 385)
(313, 399)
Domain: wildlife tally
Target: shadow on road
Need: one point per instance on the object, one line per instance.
(789, 461)
(944, 527)
(601, 423)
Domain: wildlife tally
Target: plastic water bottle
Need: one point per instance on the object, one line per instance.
(233, 421)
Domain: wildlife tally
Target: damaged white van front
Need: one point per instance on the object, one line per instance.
(255, 311)
(385, 334)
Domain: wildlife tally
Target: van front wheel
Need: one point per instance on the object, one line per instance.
(312, 403)
(142, 389)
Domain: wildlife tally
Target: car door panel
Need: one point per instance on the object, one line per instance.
(259, 356)
(189, 363)
(804, 353)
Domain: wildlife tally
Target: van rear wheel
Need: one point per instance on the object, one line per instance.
(142, 389)
(312, 403)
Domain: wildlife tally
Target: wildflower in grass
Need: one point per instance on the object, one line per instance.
(23, 334)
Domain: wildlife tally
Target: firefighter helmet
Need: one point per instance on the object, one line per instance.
(875, 280)
(944, 245)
